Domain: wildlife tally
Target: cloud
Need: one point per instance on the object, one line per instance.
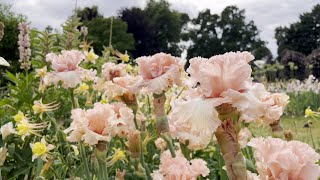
(267, 15)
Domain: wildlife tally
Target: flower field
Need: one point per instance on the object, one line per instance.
(70, 113)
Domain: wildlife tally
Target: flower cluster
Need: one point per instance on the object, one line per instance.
(24, 46)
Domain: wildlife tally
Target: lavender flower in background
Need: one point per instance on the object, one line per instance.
(2, 26)
(24, 46)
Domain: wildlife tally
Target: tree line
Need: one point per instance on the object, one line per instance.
(157, 27)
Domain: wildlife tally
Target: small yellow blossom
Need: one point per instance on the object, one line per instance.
(308, 112)
(19, 117)
(104, 101)
(124, 57)
(91, 56)
(82, 89)
(118, 155)
(25, 128)
(39, 108)
(129, 68)
(41, 149)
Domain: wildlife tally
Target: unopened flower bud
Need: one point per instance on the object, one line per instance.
(134, 143)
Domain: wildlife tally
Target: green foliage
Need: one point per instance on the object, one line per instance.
(70, 37)
(212, 34)
(99, 31)
(43, 44)
(155, 28)
(302, 36)
(9, 42)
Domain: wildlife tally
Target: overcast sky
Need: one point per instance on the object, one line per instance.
(267, 14)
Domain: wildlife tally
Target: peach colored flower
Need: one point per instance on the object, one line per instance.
(123, 124)
(66, 69)
(91, 125)
(179, 168)
(280, 160)
(111, 70)
(100, 123)
(194, 119)
(244, 136)
(220, 73)
(276, 105)
(160, 144)
(66, 61)
(131, 83)
(160, 71)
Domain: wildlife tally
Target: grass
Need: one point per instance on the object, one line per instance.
(296, 126)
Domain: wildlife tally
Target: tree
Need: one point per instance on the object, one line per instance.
(99, 30)
(212, 34)
(302, 36)
(155, 28)
(88, 14)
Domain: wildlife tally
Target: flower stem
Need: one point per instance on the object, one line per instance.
(73, 100)
(166, 137)
(39, 166)
(101, 154)
(85, 162)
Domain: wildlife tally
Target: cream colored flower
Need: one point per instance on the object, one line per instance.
(3, 62)
(91, 56)
(41, 72)
(39, 108)
(41, 149)
(3, 154)
(25, 128)
(7, 129)
(19, 117)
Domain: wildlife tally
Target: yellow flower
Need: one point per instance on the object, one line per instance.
(41, 149)
(129, 68)
(124, 57)
(39, 108)
(104, 101)
(308, 112)
(25, 128)
(19, 117)
(118, 155)
(91, 56)
(83, 88)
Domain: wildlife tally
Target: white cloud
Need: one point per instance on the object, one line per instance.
(267, 14)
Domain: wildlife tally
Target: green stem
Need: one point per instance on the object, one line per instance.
(85, 162)
(103, 171)
(142, 136)
(313, 144)
(39, 166)
(73, 100)
(168, 140)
